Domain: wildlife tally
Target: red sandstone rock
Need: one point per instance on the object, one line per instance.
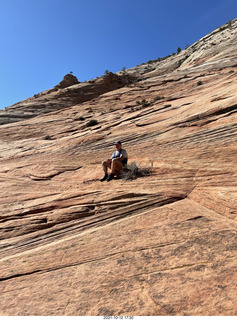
(163, 244)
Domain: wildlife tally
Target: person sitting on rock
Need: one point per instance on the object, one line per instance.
(116, 163)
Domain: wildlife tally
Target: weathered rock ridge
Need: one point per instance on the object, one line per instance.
(68, 81)
(163, 244)
(63, 95)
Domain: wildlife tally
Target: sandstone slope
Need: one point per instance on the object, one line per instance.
(162, 244)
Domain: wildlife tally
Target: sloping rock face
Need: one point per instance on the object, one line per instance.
(162, 244)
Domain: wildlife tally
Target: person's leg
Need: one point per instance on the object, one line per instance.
(106, 165)
(116, 166)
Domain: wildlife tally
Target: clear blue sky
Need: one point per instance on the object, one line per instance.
(42, 40)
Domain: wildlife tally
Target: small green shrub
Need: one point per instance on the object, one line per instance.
(92, 123)
(81, 118)
(199, 83)
(145, 103)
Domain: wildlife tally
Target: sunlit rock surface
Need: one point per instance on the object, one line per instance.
(163, 244)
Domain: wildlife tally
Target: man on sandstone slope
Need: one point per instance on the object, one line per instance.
(116, 163)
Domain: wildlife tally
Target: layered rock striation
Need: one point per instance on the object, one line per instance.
(162, 244)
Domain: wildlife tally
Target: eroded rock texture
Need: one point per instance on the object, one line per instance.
(163, 244)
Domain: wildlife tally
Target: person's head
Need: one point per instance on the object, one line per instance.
(118, 145)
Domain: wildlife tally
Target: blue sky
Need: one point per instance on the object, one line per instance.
(42, 40)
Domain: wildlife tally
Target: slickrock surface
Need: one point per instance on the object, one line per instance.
(162, 244)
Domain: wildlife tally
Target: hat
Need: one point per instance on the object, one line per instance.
(117, 142)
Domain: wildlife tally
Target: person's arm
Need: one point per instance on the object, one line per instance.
(119, 158)
(111, 158)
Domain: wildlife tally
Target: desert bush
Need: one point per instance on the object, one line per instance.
(92, 123)
(133, 172)
(145, 103)
(199, 83)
